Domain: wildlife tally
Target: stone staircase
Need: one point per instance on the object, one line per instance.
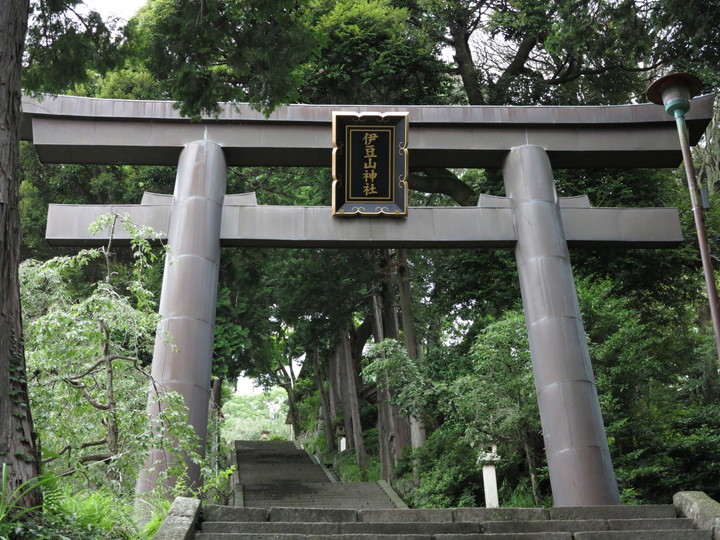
(581, 523)
(278, 474)
(286, 496)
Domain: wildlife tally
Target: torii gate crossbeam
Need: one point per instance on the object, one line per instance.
(525, 141)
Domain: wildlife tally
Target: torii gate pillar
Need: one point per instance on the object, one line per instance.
(182, 359)
(581, 472)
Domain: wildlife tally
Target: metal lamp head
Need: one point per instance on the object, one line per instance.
(674, 91)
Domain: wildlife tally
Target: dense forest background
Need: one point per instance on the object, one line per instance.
(418, 358)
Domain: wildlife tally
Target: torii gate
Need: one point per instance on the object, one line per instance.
(526, 142)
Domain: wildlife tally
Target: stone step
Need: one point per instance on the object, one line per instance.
(445, 528)
(287, 496)
(352, 504)
(343, 528)
(276, 500)
(251, 536)
(576, 525)
(358, 495)
(316, 487)
(296, 477)
(229, 513)
(296, 456)
(608, 523)
(261, 463)
(642, 535)
(306, 502)
(651, 535)
(613, 512)
(596, 535)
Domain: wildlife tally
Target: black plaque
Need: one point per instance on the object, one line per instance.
(370, 164)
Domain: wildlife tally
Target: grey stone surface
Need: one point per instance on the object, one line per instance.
(653, 522)
(277, 474)
(349, 528)
(215, 512)
(222, 527)
(291, 536)
(537, 526)
(181, 521)
(64, 128)
(704, 511)
(327, 515)
(372, 537)
(614, 512)
(248, 536)
(649, 524)
(412, 528)
(436, 515)
(644, 535)
(499, 514)
(508, 536)
(392, 495)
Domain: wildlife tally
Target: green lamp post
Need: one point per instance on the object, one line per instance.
(674, 92)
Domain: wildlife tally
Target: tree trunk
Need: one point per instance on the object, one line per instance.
(17, 438)
(530, 461)
(442, 181)
(113, 431)
(351, 387)
(333, 389)
(466, 65)
(216, 395)
(293, 416)
(344, 393)
(417, 427)
(408, 319)
(385, 418)
(401, 425)
(324, 402)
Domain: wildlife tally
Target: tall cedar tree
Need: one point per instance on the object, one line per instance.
(59, 49)
(17, 440)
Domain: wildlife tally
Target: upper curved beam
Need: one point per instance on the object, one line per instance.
(69, 129)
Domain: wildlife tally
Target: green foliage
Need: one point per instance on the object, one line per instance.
(449, 476)
(96, 512)
(249, 50)
(11, 512)
(87, 355)
(246, 416)
(307, 410)
(160, 508)
(87, 351)
(129, 83)
(91, 515)
(393, 369)
(486, 395)
(345, 467)
(372, 54)
(63, 47)
(43, 184)
(692, 41)
(230, 337)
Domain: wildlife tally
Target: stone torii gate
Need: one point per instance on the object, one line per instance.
(526, 142)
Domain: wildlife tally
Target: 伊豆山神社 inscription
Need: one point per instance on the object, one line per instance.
(370, 163)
